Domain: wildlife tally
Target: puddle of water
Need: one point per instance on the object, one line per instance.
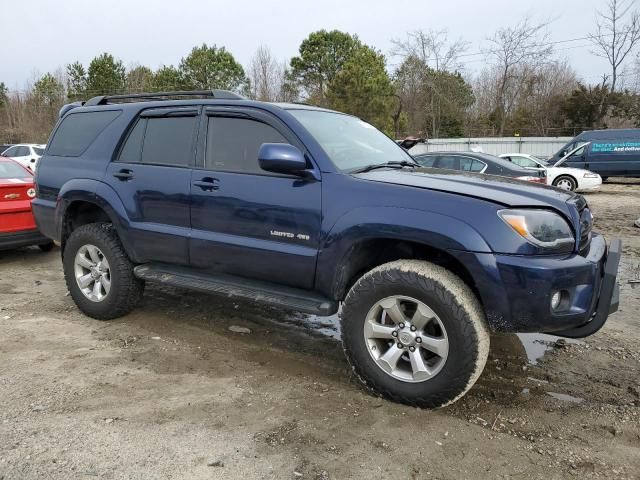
(537, 344)
(328, 326)
(565, 398)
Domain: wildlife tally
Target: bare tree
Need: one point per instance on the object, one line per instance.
(433, 48)
(614, 38)
(266, 75)
(511, 49)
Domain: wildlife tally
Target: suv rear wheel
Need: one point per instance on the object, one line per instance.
(415, 333)
(98, 273)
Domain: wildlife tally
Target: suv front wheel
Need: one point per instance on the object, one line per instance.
(415, 333)
(98, 273)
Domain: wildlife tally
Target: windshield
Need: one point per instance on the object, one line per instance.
(11, 170)
(38, 150)
(349, 142)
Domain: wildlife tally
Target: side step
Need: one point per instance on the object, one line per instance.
(238, 287)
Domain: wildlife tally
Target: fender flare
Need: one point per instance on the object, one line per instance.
(99, 194)
(431, 229)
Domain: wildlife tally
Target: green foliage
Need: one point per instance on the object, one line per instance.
(167, 79)
(363, 88)
(139, 79)
(3, 94)
(76, 81)
(435, 101)
(48, 90)
(587, 106)
(105, 75)
(212, 67)
(322, 56)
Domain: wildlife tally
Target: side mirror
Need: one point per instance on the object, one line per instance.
(281, 158)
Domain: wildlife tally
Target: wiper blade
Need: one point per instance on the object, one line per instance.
(400, 164)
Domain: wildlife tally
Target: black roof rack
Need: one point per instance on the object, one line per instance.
(215, 93)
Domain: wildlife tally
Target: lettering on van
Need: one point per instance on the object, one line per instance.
(615, 147)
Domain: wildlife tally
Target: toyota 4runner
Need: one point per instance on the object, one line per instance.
(308, 209)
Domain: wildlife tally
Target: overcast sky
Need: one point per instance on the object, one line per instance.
(43, 35)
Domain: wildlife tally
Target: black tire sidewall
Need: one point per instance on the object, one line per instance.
(454, 376)
(573, 182)
(78, 238)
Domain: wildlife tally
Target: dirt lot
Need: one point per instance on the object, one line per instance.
(171, 392)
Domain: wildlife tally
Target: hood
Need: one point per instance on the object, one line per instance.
(501, 190)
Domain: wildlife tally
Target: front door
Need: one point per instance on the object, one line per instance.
(152, 177)
(247, 221)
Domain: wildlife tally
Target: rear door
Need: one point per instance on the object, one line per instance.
(246, 221)
(152, 176)
(16, 192)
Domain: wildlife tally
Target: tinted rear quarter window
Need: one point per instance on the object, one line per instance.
(78, 130)
(233, 144)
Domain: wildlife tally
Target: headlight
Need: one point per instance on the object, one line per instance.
(590, 175)
(542, 228)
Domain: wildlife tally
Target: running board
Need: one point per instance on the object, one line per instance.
(238, 287)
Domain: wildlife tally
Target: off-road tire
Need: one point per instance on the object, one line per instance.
(458, 309)
(571, 180)
(126, 290)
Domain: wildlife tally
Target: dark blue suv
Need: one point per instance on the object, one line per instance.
(310, 209)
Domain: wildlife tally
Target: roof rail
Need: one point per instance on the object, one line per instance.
(215, 93)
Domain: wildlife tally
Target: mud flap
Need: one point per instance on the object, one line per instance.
(609, 296)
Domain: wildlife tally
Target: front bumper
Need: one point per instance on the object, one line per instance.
(516, 290)
(12, 240)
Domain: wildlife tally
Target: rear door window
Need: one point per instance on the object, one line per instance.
(161, 141)
(425, 161)
(448, 161)
(78, 130)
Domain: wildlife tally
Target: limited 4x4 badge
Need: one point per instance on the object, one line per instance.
(299, 236)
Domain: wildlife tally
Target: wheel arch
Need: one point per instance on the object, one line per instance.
(367, 254)
(370, 236)
(89, 201)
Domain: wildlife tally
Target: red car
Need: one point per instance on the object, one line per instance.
(17, 225)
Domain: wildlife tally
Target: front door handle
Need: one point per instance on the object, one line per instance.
(208, 184)
(124, 175)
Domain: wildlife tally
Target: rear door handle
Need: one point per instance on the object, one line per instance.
(124, 175)
(208, 184)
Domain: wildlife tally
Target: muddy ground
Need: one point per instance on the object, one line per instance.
(171, 392)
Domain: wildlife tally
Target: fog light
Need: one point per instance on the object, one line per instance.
(555, 300)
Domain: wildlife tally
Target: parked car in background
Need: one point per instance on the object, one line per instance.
(479, 163)
(17, 225)
(26, 154)
(610, 153)
(573, 179)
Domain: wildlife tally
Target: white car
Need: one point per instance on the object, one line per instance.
(573, 179)
(26, 154)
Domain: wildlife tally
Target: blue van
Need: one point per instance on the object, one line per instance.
(611, 153)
